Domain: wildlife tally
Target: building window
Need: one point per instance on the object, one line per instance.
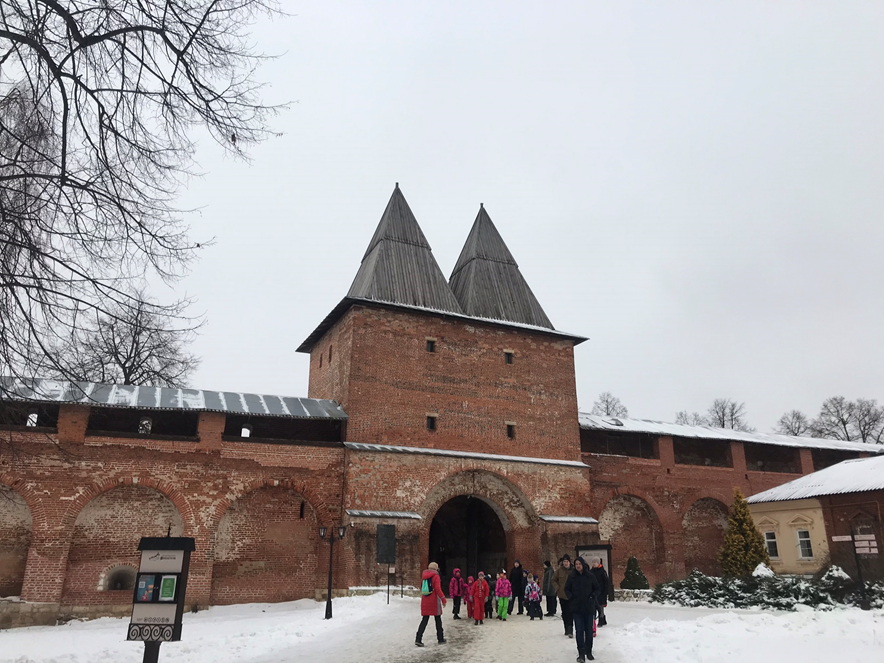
(431, 345)
(33, 418)
(145, 424)
(246, 431)
(511, 431)
(320, 361)
(805, 550)
(301, 515)
(431, 422)
(329, 353)
(508, 357)
(770, 538)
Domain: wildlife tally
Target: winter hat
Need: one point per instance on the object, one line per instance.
(481, 574)
(566, 556)
(535, 577)
(456, 571)
(470, 579)
(547, 564)
(583, 562)
(433, 566)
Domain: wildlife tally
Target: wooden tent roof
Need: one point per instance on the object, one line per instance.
(487, 282)
(398, 267)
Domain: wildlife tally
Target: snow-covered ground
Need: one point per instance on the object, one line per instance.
(366, 629)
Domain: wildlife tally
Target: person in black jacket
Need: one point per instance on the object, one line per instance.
(598, 570)
(517, 580)
(583, 590)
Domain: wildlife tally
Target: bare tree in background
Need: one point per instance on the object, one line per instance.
(690, 418)
(727, 413)
(98, 103)
(134, 346)
(609, 405)
(841, 419)
(793, 422)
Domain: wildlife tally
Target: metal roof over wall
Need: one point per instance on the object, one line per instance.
(166, 398)
(850, 476)
(623, 425)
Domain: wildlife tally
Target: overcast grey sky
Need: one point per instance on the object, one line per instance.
(695, 186)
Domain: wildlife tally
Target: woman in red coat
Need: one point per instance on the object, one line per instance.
(480, 593)
(432, 602)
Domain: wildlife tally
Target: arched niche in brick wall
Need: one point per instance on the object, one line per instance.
(703, 526)
(15, 540)
(633, 529)
(106, 534)
(266, 548)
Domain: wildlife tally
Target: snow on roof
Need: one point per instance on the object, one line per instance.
(598, 422)
(386, 448)
(849, 476)
(583, 520)
(360, 513)
(165, 398)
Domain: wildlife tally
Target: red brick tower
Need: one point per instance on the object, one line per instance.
(463, 427)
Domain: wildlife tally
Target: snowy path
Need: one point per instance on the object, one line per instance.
(366, 630)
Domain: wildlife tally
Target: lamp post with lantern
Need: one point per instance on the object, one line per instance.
(334, 533)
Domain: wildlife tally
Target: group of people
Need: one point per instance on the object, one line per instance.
(579, 589)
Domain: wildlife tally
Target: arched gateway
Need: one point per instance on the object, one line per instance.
(468, 533)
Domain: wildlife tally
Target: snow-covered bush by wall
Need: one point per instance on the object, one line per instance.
(834, 588)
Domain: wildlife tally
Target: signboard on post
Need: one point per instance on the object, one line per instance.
(386, 544)
(158, 601)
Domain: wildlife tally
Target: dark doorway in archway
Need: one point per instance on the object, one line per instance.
(467, 534)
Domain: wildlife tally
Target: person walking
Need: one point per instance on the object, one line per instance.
(548, 590)
(456, 590)
(432, 602)
(583, 591)
(559, 580)
(468, 596)
(533, 594)
(598, 570)
(504, 592)
(517, 582)
(480, 592)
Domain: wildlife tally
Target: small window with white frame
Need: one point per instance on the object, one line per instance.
(770, 539)
(805, 549)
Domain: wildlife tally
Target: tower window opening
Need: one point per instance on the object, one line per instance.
(431, 422)
(329, 353)
(431, 345)
(320, 361)
(511, 431)
(33, 418)
(508, 357)
(246, 431)
(301, 514)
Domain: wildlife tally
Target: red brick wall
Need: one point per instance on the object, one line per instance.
(15, 540)
(265, 549)
(106, 534)
(704, 525)
(394, 383)
(855, 513)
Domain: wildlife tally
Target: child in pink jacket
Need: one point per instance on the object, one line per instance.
(504, 591)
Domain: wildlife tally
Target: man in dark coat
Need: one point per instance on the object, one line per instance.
(517, 580)
(598, 570)
(549, 591)
(583, 591)
(559, 579)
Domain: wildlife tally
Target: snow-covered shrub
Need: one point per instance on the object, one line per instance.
(776, 592)
(763, 571)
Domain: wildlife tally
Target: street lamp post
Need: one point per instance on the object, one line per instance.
(331, 556)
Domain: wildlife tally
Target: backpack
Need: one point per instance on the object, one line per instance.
(426, 587)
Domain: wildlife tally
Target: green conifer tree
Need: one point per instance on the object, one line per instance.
(634, 578)
(743, 548)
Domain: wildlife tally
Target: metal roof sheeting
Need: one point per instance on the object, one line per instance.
(849, 476)
(386, 448)
(620, 424)
(166, 398)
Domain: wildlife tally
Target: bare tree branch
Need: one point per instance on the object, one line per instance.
(609, 405)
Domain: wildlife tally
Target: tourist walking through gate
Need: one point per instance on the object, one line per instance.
(559, 580)
(533, 594)
(582, 590)
(517, 581)
(456, 590)
(480, 592)
(432, 602)
(598, 570)
(548, 590)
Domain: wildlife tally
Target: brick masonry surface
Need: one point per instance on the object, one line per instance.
(73, 504)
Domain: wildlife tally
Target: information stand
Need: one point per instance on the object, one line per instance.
(158, 601)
